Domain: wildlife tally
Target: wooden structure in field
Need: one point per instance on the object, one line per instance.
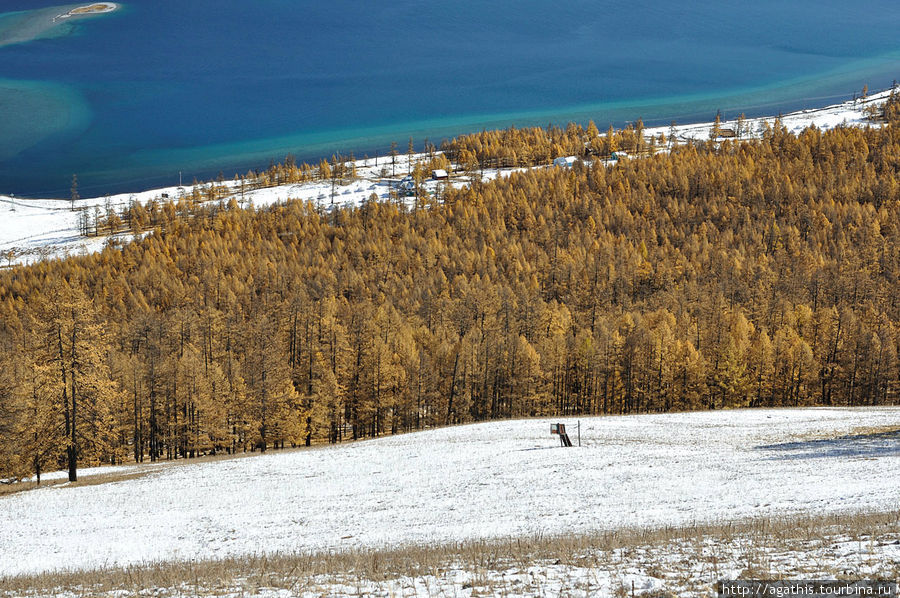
(560, 429)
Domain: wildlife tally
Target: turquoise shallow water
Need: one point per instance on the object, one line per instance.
(128, 99)
(36, 110)
(25, 25)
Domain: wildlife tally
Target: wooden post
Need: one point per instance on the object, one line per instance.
(560, 429)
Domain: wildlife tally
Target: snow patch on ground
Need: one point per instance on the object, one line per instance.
(491, 480)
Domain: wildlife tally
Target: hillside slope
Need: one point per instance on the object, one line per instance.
(499, 479)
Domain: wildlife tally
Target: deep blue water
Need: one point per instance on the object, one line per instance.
(129, 99)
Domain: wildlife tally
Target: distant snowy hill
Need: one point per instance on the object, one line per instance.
(499, 479)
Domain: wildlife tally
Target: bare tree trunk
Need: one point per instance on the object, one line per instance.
(452, 389)
(72, 451)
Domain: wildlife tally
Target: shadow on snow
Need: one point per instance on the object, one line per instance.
(870, 445)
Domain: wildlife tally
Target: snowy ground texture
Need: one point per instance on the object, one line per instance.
(36, 229)
(688, 569)
(492, 480)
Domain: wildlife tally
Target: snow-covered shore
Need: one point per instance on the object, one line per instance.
(35, 229)
(849, 113)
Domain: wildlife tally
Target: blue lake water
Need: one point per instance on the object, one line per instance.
(128, 99)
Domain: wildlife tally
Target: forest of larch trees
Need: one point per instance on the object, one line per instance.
(715, 275)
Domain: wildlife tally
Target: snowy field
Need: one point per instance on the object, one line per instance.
(36, 229)
(492, 480)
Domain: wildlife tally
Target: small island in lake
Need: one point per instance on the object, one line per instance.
(90, 9)
(19, 27)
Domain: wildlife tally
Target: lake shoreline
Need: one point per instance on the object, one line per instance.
(35, 229)
(851, 111)
(167, 96)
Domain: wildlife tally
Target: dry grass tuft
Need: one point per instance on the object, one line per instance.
(857, 433)
(94, 480)
(140, 470)
(302, 572)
